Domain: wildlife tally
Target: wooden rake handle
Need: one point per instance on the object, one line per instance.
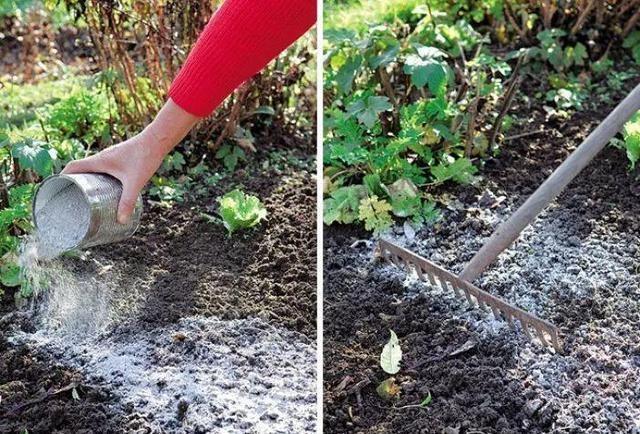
(508, 231)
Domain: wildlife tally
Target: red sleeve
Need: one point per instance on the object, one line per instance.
(239, 40)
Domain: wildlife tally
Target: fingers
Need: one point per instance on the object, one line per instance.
(127, 203)
(86, 165)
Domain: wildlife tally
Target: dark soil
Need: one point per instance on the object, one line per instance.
(577, 267)
(192, 267)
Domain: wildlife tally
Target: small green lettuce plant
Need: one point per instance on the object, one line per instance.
(630, 140)
(240, 210)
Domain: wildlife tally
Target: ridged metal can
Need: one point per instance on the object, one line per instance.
(101, 195)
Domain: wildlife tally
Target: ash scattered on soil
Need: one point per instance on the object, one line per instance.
(577, 266)
(585, 283)
(159, 286)
(200, 375)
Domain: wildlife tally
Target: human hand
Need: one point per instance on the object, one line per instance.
(133, 162)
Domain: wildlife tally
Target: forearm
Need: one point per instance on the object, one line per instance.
(170, 126)
(240, 39)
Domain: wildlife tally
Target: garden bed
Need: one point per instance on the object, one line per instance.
(181, 328)
(577, 266)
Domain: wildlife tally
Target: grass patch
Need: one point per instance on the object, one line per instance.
(21, 102)
(358, 15)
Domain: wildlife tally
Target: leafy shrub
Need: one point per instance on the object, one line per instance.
(34, 155)
(561, 56)
(14, 7)
(400, 121)
(230, 156)
(173, 162)
(168, 190)
(10, 274)
(83, 116)
(633, 43)
(240, 210)
(172, 185)
(15, 219)
(158, 38)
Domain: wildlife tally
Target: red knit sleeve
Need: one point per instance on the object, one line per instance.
(239, 40)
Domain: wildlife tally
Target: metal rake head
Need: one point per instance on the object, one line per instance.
(534, 328)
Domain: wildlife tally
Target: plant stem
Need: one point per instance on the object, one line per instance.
(508, 100)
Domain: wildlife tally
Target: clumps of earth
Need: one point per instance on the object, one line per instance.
(583, 277)
(200, 375)
(163, 333)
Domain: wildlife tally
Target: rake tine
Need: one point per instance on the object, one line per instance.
(540, 335)
(525, 328)
(459, 293)
(441, 280)
(418, 269)
(443, 284)
(467, 294)
(396, 260)
(411, 268)
(447, 284)
(509, 317)
(496, 312)
(381, 252)
(405, 259)
(482, 303)
(554, 340)
(431, 279)
(407, 266)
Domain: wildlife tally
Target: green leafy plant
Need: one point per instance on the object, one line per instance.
(398, 116)
(176, 183)
(630, 142)
(168, 190)
(561, 57)
(34, 155)
(15, 219)
(375, 213)
(426, 67)
(173, 162)
(367, 109)
(240, 210)
(343, 204)
(632, 42)
(230, 155)
(10, 272)
(83, 116)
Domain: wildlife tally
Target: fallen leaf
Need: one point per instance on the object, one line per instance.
(391, 355)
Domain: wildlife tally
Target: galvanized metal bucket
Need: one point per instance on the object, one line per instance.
(101, 193)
